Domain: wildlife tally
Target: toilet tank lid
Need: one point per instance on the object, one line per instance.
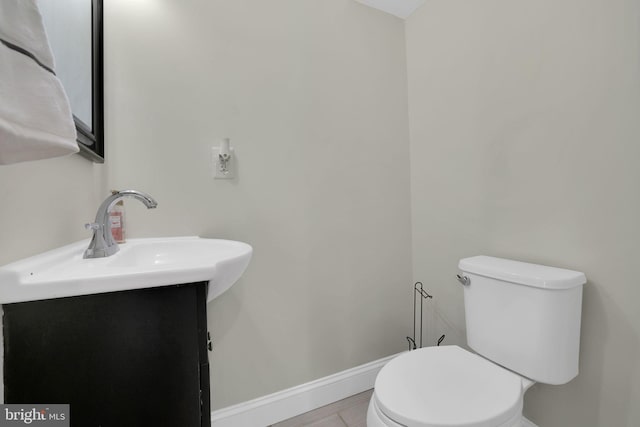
(539, 276)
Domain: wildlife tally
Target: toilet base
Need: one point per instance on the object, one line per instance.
(375, 418)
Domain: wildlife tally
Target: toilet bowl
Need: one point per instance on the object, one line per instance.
(446, 386)
(523, 323)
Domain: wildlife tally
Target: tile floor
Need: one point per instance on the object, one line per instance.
(349, 412)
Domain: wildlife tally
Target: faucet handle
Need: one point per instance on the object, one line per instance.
(92, 226)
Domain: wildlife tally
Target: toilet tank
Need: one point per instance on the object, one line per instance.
(525, 317)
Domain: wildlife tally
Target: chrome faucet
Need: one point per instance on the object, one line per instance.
(102, 243)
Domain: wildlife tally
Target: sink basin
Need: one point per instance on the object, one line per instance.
(140, 263)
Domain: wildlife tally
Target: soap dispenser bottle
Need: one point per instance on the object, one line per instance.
(116, 218)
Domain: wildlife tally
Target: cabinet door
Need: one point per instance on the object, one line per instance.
(120, 359)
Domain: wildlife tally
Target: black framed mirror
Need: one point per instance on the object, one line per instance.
(74, 29)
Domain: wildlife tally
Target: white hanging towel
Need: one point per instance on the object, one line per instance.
(35, 117)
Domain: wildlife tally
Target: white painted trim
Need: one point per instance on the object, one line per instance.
(285, 404)
(294, 401)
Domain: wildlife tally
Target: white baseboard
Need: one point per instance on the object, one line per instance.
(294, 401)
(285, 404)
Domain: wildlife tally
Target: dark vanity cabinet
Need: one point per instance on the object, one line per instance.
(132, 358)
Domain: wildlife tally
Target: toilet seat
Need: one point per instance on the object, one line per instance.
(447, 386)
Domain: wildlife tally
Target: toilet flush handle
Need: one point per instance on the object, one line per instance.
(463, 279)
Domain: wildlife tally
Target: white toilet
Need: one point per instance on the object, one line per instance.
(523, 320)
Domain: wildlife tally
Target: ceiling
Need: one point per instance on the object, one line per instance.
(400, 8)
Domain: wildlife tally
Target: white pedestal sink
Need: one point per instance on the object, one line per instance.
(140, 263)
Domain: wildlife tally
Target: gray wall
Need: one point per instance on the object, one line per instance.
(313, 97)
(45, 204)
(525, 133)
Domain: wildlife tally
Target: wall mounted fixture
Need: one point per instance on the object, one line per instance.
(224, 160)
